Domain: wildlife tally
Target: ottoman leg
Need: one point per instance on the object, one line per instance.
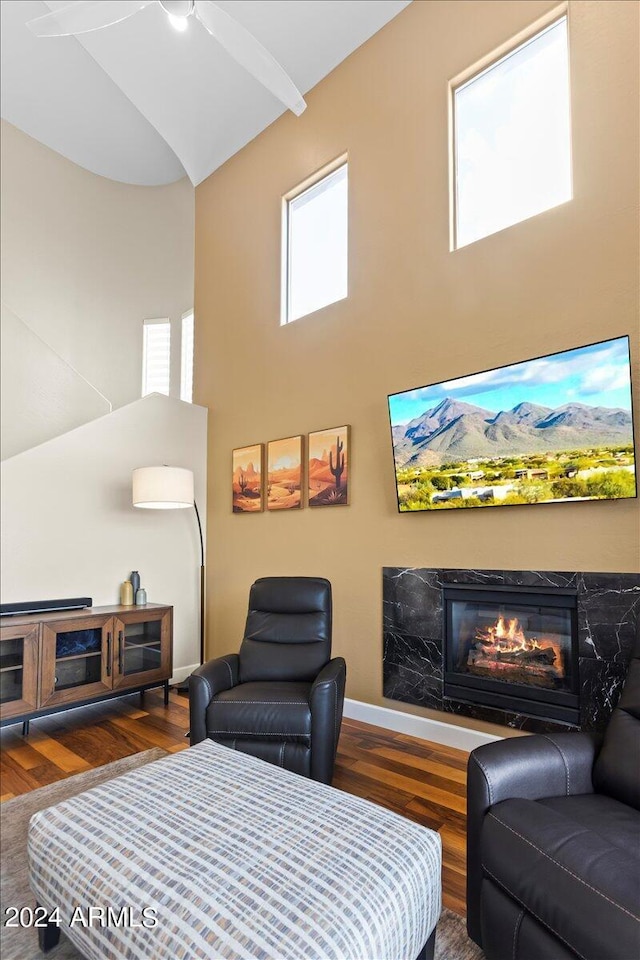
(48, 936)
(428, 950)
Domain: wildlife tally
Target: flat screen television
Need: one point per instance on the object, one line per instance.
(554, 429)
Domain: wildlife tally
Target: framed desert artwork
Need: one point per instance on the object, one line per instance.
(328, 467)
(284, 474)
(248, 496)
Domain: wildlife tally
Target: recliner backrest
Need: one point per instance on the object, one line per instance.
(288, 630)
(617, 769)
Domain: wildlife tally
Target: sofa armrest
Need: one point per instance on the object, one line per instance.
(326, 700)
(549, 765)
(204, 683)
(553, 765)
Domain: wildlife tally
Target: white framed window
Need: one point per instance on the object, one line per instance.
(512, 136)
(315, 244)
(156, 356)
(186, 357)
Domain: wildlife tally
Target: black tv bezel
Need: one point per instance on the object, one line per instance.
(542, 503)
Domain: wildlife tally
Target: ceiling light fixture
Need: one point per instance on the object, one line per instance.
(84, 16)
(178, 12)
(178, 8)
(178, 23)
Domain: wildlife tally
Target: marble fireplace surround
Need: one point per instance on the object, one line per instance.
(413, 631)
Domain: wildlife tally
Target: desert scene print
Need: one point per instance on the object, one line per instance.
(328, 474)
(247, 479)
(552, 429)
(284, 474)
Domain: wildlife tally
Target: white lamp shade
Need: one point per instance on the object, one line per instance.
(162, 488)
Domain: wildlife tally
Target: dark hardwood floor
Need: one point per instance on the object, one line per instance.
(417, 779)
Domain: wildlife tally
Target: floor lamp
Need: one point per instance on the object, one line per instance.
(170, 488)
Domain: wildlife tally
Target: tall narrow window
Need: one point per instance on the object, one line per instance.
(156, 356)
(186, 358)
(512, 131)
(315, 249)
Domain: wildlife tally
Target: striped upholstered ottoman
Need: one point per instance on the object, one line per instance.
(213, 854)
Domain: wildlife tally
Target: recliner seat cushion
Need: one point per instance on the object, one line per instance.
(615, 822)
(276, 711)
(574, 880)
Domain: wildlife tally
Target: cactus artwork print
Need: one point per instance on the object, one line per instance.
(284, 474)
(246, 481)
(328, 467)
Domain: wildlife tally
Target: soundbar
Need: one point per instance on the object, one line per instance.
(44, 606)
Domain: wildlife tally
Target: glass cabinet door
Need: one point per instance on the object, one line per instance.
(142, 650)
(77, 659)
(18, 670)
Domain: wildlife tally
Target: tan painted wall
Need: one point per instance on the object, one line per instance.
(416, 313)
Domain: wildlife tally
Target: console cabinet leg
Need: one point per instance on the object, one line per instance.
(25, 728)
(428, 951)
(166, 693)
(48, 937)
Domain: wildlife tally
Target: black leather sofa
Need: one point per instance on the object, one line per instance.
(281, 697)
(553, 865)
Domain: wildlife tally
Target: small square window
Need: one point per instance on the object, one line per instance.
(315, 249)
(512, 130)
(156, 356)
(186, 358)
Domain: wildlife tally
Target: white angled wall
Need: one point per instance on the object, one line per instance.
(69, 529)
(84, 261)
(42, 396)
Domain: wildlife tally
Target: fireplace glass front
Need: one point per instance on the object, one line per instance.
(512, 649)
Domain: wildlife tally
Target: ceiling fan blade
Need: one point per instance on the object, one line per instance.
(85, 16)
(250, 54)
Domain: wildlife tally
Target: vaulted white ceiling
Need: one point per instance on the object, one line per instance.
(141, 103)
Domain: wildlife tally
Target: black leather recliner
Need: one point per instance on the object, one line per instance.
(281, 697)
(553, 842)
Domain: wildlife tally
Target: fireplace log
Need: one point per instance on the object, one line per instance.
(544, 655)
(541, 655)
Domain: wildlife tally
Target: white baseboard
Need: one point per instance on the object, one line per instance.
(435, 730)
(181, 673)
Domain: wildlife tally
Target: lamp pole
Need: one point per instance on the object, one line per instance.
(195, 507)
(170, 488)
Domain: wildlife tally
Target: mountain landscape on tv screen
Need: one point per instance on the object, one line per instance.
(454, 430)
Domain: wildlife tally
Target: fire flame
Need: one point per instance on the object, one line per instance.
(508, 636)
